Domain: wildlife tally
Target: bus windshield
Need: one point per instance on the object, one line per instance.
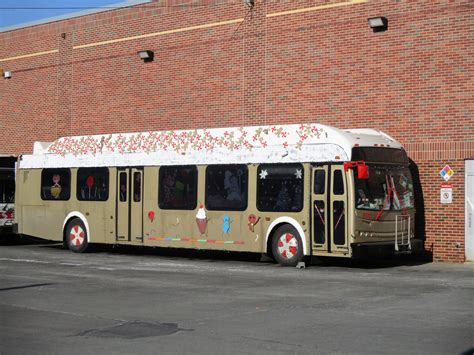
(7, 186)
(389, 187)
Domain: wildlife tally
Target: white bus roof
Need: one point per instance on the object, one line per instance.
(237, 145)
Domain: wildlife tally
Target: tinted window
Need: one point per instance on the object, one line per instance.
(123, 186)
(339, 219)
(92, 184)
(375, 154)
(280, 187)
(319, 182)
(178, 187)
(55, 184)
(338, 184)
(137, 186)
(226, 187)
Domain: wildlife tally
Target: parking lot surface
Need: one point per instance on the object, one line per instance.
(146, 301)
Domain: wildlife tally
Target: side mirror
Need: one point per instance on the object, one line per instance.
(362, 169)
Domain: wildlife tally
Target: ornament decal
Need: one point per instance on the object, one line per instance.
(253, 220)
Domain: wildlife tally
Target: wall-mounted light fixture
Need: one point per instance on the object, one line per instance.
(249, 3)
(146, 56)
(6, 74)
(378, 24)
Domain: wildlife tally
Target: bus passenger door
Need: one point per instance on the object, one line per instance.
(319, 202)
(129, 204)
(338, 210)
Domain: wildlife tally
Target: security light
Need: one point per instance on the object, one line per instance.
(146, 56)
(7, 74)
(378, 24)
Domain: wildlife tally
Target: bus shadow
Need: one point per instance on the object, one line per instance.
(219, 256)
(420, 222)
(376, 263)
(177, 253)
(11, 239)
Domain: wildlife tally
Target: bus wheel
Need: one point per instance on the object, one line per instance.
(287, 246)
(76, 236)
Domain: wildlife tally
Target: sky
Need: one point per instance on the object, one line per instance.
(16, 12)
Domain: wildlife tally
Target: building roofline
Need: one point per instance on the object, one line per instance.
(111, 7)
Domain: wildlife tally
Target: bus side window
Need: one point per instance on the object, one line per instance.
(280, 187)
(338, 183)
(92, 184)
(177, 187)
(55, 184)
(226, 187)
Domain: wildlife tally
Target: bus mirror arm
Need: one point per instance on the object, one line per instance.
(362, 168)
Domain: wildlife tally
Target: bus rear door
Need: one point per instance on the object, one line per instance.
(130, 204)
(329, 210)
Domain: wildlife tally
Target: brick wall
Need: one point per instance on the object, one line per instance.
(222, 64)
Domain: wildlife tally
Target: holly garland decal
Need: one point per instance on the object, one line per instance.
(181, 142)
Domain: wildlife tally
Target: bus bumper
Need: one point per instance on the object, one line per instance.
(380, 249)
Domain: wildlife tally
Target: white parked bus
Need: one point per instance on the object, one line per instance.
(7, 199)
(290, 191)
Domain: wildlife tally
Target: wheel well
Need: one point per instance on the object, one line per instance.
(65, 227)
(270, 238)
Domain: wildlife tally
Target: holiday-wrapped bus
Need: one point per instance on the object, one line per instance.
(290, 191)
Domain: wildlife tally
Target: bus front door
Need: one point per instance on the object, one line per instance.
(329, 206)
(130, 204)
(338, 201)
(319, 203)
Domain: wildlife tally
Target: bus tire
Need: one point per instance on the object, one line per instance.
(287, 246)
(76, 236)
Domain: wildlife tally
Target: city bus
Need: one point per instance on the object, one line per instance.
(7, 199)
(289, 191)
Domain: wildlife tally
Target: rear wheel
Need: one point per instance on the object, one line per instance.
(287, 246)
(76, 236)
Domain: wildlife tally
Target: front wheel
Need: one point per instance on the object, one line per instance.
(76, 236)
(287, 246)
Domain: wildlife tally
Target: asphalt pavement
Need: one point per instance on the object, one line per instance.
(154, 301)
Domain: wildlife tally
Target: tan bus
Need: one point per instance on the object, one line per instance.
(290, 191)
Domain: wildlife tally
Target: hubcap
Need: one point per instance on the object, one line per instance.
(287, 246)
(76, 236)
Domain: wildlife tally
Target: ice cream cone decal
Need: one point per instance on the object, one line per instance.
(201, 219)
